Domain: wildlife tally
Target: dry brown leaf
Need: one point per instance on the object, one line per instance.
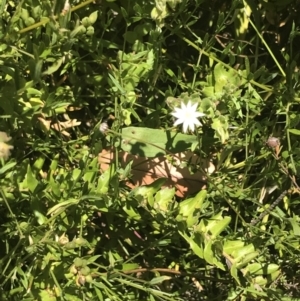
(59, 126)
(146, 170)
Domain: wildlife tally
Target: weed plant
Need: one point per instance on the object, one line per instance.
(82, 77)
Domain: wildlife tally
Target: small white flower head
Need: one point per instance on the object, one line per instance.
(188, 116)
(104, 127)
(4, 147)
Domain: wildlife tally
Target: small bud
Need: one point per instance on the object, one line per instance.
(73, 269)
(66, 8)
(63, 240)
(78, 262)
(89, 279)
(273, 142)
(81, 280)
(85, 271)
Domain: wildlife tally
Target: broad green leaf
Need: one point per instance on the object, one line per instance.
(221, 77)
(261, 269)
(294, 131)
(243, 251)
(189, 209)
(104, 179)
(208, 253)
(32, 182)
(163, 198)
(295, 225)
(147, 142)
(231, 245)
(245, 259)
(219, 226)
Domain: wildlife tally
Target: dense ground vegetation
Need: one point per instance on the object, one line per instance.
(85, 78)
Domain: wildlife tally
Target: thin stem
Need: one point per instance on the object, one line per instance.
(12, 214)
(268, 48)
(289, 138)
(254, 83)
(270, 209)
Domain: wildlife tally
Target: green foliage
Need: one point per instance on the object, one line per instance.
(71, 231)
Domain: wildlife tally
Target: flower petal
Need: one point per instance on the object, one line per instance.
(187, 115)
(185, 127)
(178, 121)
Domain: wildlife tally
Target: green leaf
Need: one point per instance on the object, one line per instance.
(189, 209)
(32, 182)
(196, 247)
(117, 84)
(146, 192)
(131, 212)
(218, 226)
(294, 131)
(91, 171)
(231, 245)
(158, 280)
(54, 67)
(41, 219)
(221, 77)
(7, 167)
(245, 259)
(208, 253)
(104, 179)
(234, 273)
(58, 208)
(98, 292)
(262, 269)
(295, 225)
(129, 266)
(220, 125)
(93, 258)
(240, 252)
(163, 199)
(149, 143)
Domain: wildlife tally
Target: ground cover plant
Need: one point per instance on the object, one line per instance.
(149, 150)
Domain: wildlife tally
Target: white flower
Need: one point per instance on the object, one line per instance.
(188, 116)
(104, 127)
(4, 147)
